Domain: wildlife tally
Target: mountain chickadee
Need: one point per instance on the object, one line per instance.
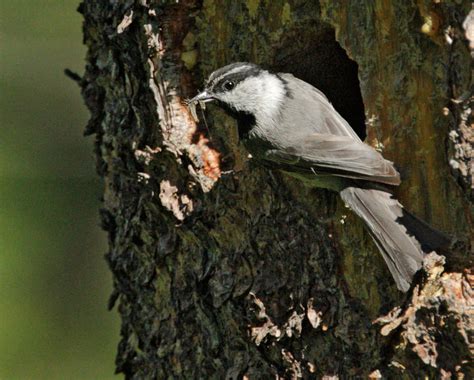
(289, 124)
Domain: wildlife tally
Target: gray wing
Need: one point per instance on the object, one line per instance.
(316, 137)
(312, 111)
(337, 155)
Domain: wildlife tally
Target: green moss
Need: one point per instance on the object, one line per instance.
(163, 293)
(189, 58)
(252, 6)
(286, 14)
(189, 41)
(228, 232)
(209, 8)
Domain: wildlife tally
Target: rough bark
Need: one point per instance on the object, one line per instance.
(224, 269)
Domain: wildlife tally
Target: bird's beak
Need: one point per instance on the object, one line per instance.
(202, 97)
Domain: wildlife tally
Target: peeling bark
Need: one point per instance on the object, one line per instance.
(223, 269)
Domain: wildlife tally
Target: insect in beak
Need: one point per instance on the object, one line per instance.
(201, 98)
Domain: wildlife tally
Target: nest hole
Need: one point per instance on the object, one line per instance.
(313, 55)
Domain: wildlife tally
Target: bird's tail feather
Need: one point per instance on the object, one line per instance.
(402, 238)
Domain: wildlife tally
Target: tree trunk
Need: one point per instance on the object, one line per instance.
(224, 269)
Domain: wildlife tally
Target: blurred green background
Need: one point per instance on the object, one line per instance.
(54, 282)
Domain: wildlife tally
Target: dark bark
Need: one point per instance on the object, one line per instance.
(226, 269)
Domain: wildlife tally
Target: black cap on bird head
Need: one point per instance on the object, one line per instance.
(225, 79)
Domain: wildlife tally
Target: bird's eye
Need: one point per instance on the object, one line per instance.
(229, 85)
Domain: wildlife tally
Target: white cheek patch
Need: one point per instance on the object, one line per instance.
(261, 96)
(245, 96)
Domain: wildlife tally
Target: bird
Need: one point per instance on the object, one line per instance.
(287, 124)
